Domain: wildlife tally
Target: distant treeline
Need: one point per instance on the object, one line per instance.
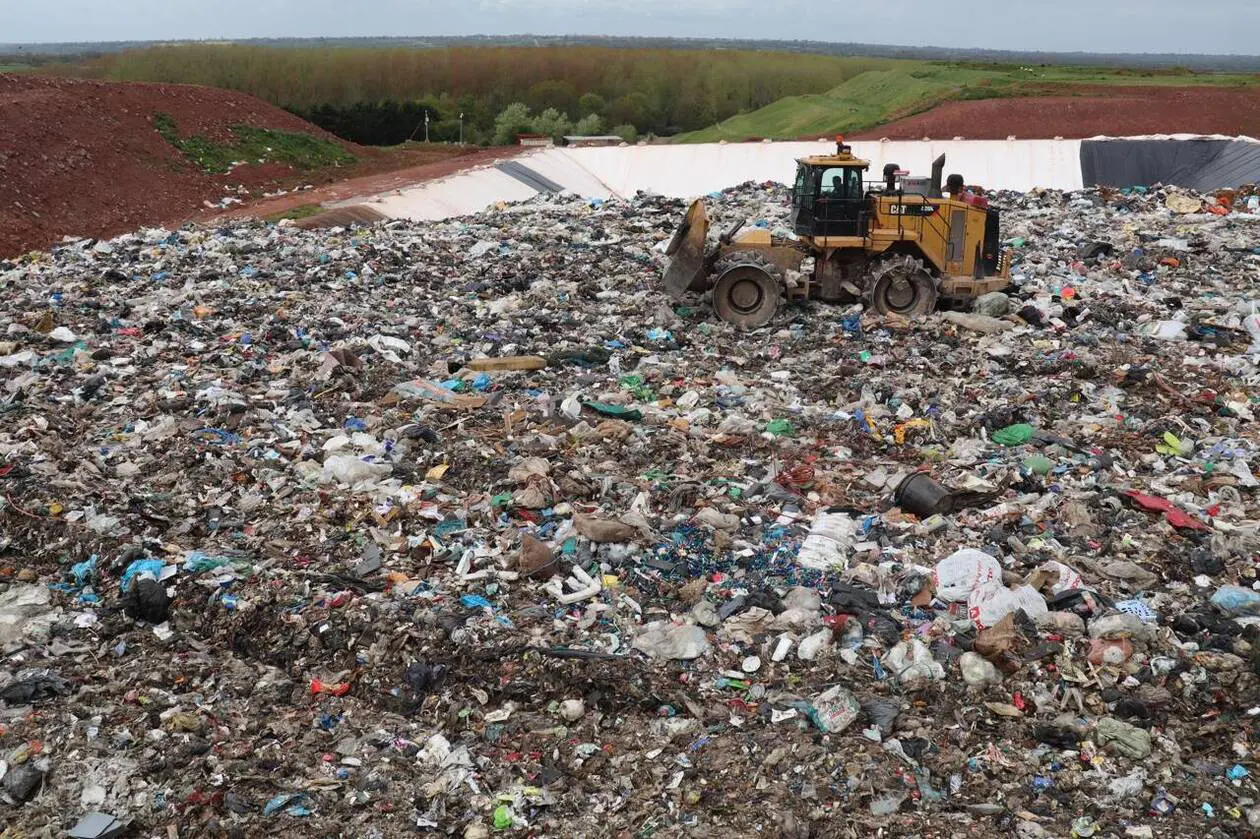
(23, 59)
(1193, 61)
(380, 123)
(381, 95)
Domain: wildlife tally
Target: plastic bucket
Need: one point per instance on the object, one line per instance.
(922, 496)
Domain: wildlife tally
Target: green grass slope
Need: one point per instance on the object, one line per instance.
(867, 99)
(880, 96)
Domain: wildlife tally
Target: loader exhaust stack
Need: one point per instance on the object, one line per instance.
(938, 169)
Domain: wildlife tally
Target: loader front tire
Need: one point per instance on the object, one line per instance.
(748, 290)
(901, 285)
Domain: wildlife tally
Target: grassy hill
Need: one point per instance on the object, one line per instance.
(880, 96)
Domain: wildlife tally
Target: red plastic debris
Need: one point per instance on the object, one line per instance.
(798, 476)
(339, 689)
(1175, 516)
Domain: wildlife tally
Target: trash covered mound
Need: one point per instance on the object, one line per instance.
(461, 529)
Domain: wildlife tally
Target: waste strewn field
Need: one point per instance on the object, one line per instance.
(460, 529)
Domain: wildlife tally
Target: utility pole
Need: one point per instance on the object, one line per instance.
(426, 125)
(461, 129)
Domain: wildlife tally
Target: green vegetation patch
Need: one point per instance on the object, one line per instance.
(297, 213)
(866, 100)
(880, 96)
(253, 145)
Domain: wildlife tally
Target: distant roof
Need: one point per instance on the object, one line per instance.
(609, 137)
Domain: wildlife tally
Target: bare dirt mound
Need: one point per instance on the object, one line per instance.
(85, 158)
(1087, 112)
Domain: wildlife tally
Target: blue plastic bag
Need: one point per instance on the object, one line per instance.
(1236, 600)
(141, 568)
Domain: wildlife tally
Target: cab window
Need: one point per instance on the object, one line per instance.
(842, 182)
(804, 185)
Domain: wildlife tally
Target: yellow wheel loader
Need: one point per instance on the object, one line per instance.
(898, 246)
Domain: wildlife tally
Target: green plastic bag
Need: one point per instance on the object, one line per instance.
(780, 428)
(1014, 435)
(1038, 465)
(616, 411)
(637, 386)
(1175, 446)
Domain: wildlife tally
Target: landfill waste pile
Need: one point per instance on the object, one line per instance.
(461, 529)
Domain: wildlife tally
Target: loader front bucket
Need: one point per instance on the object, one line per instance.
(686, 254)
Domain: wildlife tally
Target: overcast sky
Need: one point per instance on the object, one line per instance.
(1198, 26)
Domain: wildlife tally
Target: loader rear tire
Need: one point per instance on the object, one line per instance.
(901, 285)
(748, 290)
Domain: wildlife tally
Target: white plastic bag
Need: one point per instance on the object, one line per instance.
(911, 661)
(989, 604)
(348, 469)
(962, 572)
(829, 542)
(976, 578)
(1167, 330)
(835, 710)
(1069, 578)
(810, 648)
(1251, 323)
(662, 640)
(977, 671)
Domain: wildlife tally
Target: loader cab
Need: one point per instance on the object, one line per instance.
(829, 196)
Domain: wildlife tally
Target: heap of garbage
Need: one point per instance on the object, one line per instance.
(463, 529)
